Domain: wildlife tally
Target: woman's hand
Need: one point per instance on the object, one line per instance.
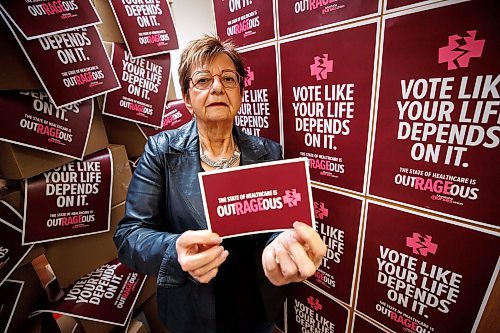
(200, 254)
(294, 255)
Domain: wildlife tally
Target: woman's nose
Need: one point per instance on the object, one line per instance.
(217, 86)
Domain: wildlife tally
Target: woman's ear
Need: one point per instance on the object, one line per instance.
(187, 102)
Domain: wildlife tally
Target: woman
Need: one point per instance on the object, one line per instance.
(206, 284)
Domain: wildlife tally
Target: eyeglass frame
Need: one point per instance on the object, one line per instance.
(240, 78)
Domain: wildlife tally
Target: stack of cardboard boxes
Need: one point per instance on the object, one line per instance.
(72, 258)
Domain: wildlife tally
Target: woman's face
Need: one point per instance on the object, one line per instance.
(217, 103)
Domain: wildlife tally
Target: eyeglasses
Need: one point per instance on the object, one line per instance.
(204, 79)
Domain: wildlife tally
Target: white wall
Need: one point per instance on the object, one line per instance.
(192, 19)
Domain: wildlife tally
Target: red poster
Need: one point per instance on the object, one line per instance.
(10, 215)
(72, 66)
(39, 18)
(69, 201)
(146, 26)
(437, 137)
(404, 4)
(360, 325)
(34, 121)
(302, 15)
(424, 274)
(310, 311)
(106, 295)
(245, 22)
(257, 198)
(12, 252)
(259, 113)
(144, 82)
(175, 115)
(10, 291)
(326, 102)
(337, 220)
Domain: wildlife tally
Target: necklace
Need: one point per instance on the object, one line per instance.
(223, 163)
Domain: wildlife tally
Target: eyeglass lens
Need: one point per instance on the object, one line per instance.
(204, 79)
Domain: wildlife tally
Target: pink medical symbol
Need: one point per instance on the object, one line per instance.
(421, 244)
(321, 67)
(292, 198)
(320, 211)
(460, 49)
(314, 303)
(250, 77)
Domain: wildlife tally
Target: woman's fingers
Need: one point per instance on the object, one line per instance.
(199, 254)
(272, 269)
(294, 255)
(312, 242)
(215, 263)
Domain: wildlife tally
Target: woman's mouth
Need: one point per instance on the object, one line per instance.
(217, 104)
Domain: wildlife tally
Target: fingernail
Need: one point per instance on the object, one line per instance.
(224, 254)
(216, 239)
(220, 249)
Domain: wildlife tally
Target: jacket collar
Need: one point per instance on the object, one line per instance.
(183, 159)
(186, 140)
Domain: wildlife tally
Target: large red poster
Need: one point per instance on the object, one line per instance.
(327, 82)
(144, 82)
(360, 325)
(337, 220)
(311, 311)
(45, 17)
(72, 66)
(34, 121)
(69, 201)
(107, 294)
(259, 113)
(438, 130)
(300, 15)
(147, 26)
(11, 249)
(399, 4)
(423, 274)
(245, 22)
(10, 291)
(175, 115)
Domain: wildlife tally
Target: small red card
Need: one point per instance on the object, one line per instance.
(257, 198)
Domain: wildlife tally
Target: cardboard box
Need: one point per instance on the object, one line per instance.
(126, 133)
(36, 251)
(109, 29)
(20, 162)
(90, 326)
(68, 324)
(121, 174)
(75, 257)
(136, 327)
(15, 200)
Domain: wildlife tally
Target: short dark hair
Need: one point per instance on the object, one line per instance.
(203, 50)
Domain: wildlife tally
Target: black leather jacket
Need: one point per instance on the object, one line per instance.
(163, 201)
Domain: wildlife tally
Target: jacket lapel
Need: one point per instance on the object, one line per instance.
(251, 151)
(183, 160)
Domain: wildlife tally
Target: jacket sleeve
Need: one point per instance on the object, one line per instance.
(141, 239)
